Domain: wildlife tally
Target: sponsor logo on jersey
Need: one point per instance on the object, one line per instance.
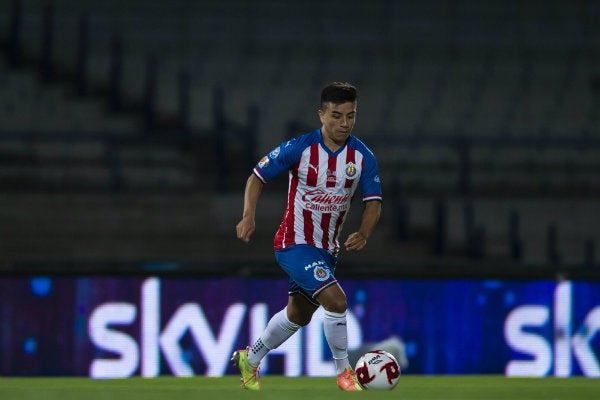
(321, 196)
(320, 200)
(331, 177)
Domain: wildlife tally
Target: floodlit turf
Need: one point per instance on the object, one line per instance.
(281, 388)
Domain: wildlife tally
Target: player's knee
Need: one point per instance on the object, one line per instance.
(299, 315)
(337, 306)
(299, 318)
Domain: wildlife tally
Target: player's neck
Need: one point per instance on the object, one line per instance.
(332, 144)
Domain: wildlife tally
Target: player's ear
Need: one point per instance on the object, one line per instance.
(321, 114)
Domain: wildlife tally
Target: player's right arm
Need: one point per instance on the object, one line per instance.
(245, 228)
(280, 159)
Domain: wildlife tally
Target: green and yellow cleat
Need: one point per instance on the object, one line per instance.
(250, 376)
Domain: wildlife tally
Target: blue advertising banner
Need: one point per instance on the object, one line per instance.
(108, 327)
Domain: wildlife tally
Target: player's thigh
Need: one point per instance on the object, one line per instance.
(333, 299)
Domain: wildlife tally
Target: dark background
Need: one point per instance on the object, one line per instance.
(128, 128)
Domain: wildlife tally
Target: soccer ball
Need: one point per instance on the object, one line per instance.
(377, 370)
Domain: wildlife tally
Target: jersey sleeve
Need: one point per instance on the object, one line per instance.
(370, 184)
(280, 159)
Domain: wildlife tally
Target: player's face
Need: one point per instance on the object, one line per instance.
(338, 121)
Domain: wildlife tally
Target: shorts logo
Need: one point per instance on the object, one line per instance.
(350, 170)
(263, 162)
(321, 274)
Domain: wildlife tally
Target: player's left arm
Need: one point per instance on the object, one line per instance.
(370, 216)
(370, 186)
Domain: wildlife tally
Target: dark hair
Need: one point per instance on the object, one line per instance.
(338, 93)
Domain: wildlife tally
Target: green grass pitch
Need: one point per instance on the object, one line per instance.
(281, 388)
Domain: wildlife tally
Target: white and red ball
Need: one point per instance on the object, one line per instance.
(377, 370)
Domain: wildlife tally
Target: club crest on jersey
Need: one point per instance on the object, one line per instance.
(321, 274)
(350, 170)
(263, 162)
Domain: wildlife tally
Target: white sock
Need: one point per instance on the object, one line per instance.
(278, 330)
(336, 334)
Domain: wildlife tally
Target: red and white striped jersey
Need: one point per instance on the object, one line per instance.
(321, 186)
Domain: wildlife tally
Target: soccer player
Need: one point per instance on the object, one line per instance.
(325, 167)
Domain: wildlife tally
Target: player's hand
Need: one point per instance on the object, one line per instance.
(356, 241)
(245, 229)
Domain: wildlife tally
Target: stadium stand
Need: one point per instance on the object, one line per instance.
(489, 109)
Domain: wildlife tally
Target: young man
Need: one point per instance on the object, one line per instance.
(325, 168)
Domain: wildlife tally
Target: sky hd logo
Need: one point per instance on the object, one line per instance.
(570, 343)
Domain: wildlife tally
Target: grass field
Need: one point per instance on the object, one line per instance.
(281, 388)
